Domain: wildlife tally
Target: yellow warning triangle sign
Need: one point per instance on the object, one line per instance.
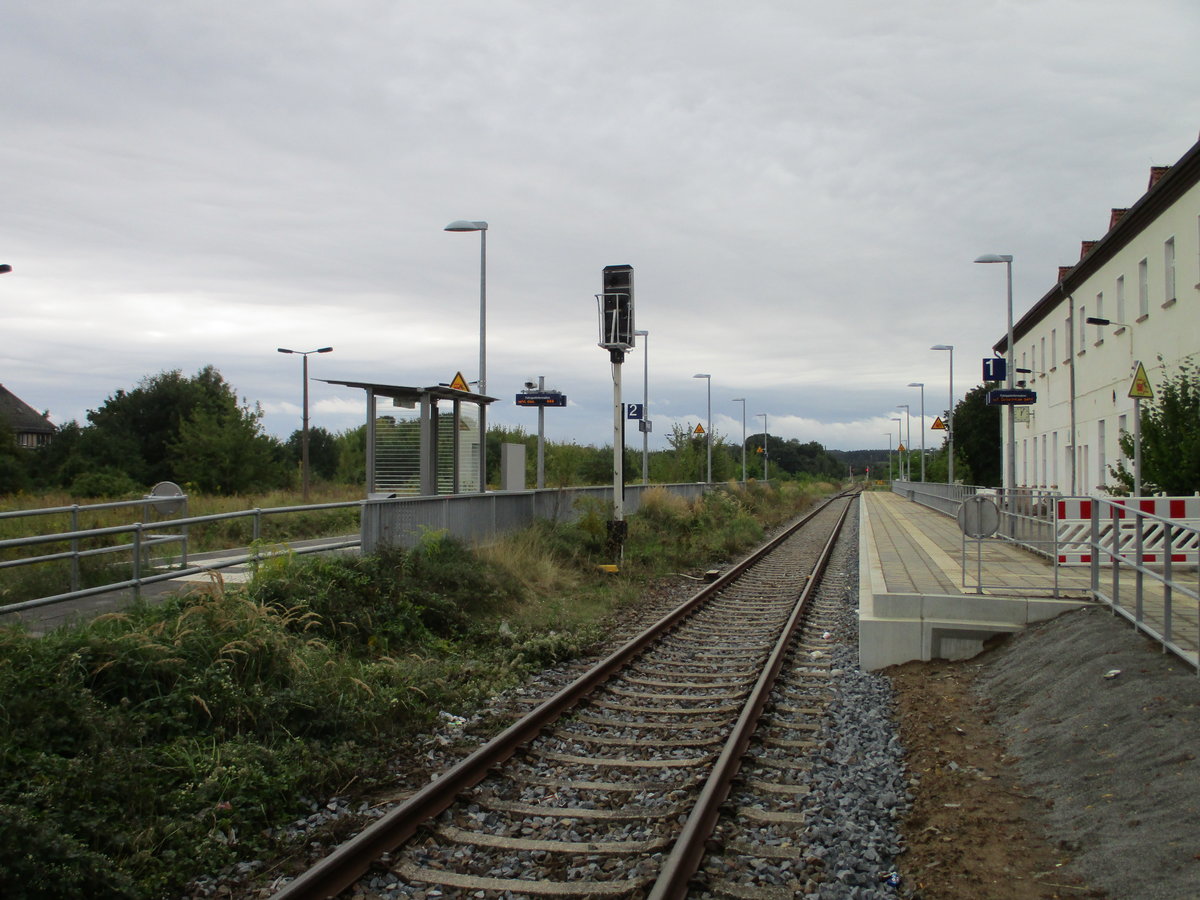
(699, 429)
(938, 424)
(900, 449)
(459, 383)
(1140, 386)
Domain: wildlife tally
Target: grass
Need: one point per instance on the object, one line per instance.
(154, 745)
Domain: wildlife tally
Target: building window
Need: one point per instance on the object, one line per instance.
(1100, 315)
(1043, 370)
(1053, 473)
(1053, 349)
(1143, 289)
(1035, 464)
(1101, 454)
(1169, 272)
(1121, 298)
(1082, 327)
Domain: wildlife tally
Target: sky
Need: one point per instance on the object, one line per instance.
(801, 188)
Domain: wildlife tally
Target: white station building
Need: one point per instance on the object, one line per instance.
(1143, 277)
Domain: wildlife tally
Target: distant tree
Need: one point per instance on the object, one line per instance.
(351, 456)
(14, 467)
(322, 452)
(1170, 432)
(977, 437)
(224, 451)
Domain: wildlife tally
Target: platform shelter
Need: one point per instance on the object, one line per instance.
(423, 441)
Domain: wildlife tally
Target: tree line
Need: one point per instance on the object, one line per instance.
(196, 431)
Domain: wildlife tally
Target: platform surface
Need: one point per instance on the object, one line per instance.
(912, 576)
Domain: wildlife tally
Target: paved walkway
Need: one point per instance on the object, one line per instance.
(910, 552)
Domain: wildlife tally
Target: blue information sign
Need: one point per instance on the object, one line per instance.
(541, 398)
(995, 368)
(633, 410)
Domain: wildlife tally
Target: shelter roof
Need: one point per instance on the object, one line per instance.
(412, 395)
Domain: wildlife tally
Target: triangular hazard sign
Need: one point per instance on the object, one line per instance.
(699, 429)
(1140, 386)
(938, 424)
(900, 449)
(459, 383)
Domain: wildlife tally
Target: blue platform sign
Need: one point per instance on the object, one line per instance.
(995, 368)
(634, 410)
(1014, 397)
(541, 398)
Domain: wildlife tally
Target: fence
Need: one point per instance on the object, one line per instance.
(1143, 553)
(395, 521)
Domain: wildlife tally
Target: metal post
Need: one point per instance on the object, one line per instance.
(304, 436)
(921, 385)
(644, 422)
(766, 447)
(1137, 446)
(541, 445)
(742, 400)
(618, 447)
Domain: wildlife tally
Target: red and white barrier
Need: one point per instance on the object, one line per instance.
(1074, 522)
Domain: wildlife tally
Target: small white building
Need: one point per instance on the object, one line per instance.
(1144, 277)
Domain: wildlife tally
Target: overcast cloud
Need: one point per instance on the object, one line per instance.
(801, 188)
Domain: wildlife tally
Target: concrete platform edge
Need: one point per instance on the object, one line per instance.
(896, 628)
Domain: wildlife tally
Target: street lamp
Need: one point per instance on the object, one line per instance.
(921, 385)
(907, 440)
(949, 412)
(1010, 465)
(899, 444)
(5, 267)
(304, 432)
(766, 445)
(888, 435)
(481, 227)
(644, 422)
(708, 435)
(742, 400)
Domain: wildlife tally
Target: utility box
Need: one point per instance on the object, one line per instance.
(512, 467)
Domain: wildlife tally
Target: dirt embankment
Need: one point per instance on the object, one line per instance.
(1061, 763)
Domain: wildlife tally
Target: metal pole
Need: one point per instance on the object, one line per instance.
(950, 421)
(618, 447)
(645, 406)
(483, 358)
(742, 400)
(922, 433)
(541, 448)
(766, 447)
(1137, 447)
(889, 437)
(304, 435)
(709, 436)
(1011, 462)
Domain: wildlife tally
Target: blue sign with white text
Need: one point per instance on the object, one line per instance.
(633, 410)
(995, 368)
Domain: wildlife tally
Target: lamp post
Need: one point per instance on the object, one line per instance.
(304, 432)
(899, 444)
(766, 445)
(1010, 463)
(742, 400)
(907, 468)
(949, 413)
(1137, 410)
(5, 267)
(481, 227)
(888, 435)
(708, 435)
(644, 422)
(921, 385)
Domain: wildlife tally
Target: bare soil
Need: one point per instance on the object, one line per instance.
(1061, 763)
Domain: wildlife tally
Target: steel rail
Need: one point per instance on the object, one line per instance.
(688, 852)
(351, 859)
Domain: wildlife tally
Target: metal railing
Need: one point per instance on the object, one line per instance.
(383, 521)
(1118, 546)
(1139, 561)
(142, 541)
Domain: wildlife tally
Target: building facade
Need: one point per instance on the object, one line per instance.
(30, 428)
(1143, 277)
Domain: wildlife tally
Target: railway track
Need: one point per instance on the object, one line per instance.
(617, 786)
